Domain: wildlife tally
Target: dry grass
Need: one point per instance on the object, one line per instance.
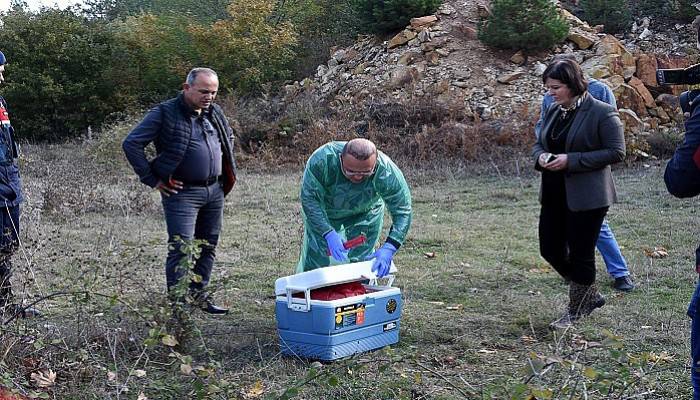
(475, 315)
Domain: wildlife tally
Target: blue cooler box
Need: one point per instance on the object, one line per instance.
(328, 330)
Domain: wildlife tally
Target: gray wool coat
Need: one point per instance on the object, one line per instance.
(595, 141)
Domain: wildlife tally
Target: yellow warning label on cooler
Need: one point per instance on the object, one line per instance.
(352, 314)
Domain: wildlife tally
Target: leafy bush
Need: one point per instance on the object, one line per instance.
(320, 25)
(155, 52)
(391, 15)
(523, 24)
(250, 48)
(58, 83)
(613, 14)
(682, 10)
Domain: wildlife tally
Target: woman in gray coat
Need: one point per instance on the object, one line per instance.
(581, 137)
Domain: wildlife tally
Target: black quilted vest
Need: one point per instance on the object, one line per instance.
(175, 135)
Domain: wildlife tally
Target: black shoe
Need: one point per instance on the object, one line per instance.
(208, 306)
(623, 284)
(204, 301)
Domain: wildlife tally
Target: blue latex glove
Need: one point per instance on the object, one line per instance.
(382, 259)
(335, 246)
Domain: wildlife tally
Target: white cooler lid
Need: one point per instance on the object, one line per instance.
(328, 276)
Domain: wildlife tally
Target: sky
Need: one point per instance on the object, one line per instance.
(35, 4)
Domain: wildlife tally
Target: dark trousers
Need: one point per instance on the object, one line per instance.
(9, 224)
(568, 239)
(194, 212)
(694, 314)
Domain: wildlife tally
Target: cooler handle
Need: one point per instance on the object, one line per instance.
(299, 307)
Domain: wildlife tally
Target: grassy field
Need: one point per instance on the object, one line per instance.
(475, 318)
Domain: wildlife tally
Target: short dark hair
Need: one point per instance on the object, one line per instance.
(361, 149)
(567, 72)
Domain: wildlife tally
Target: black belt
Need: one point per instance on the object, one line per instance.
(204, 182)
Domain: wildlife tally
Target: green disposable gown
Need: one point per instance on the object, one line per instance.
(331, 201)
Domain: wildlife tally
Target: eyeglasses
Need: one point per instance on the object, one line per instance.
(356, 173)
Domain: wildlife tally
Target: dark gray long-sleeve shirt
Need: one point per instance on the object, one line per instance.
(201, 161)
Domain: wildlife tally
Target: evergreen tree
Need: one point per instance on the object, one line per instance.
(523, 24)
(614, 15)
(381, 16)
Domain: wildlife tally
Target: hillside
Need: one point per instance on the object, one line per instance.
(436, 78)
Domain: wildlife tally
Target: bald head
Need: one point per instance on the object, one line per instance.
(361, 149)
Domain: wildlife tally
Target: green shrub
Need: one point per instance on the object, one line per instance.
(381, 16)
(613, 14)
(250, 48)
(523, 24)
(682, 10)
(155, 52)
(58, 80)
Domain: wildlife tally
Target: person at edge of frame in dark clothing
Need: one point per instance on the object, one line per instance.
(682, 179)
(193, 170)
(10, 200)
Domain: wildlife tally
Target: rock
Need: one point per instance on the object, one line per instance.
(443, 52)
(631, 121)
(646, 33)
(573, 20)
(668, 102)
(510, 77)
(403, 76)
(484, 111)
(414, 42)
(468, 32)
(614, 81)
(646, 69)
(538, 69)
(360, 69)
(401, 38)
(433, 58)
(489, 91)
(423, 21)
(609, 45)
(628, 97)
(638, 85)
(606, 65)
(663, 115)
(446, 9)
(583, 40)
(409, 58)
(321, 71)
(439, 87)
(483, 11)
(518, 58)
(424, 36)
(332, 63)
(463, 74)
(461, 84)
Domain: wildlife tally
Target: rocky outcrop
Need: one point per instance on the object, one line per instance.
(439, 57)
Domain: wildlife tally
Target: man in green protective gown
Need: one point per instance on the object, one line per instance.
(345, 187)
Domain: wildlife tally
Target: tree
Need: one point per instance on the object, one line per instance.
(614, 15)
(204, 11)
(57, 81)
(523, 24)
(155, 53)
(249, 48)
(382, 16)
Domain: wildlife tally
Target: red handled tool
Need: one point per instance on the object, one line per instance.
(352, 243)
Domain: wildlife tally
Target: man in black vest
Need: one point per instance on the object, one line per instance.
(193, 170)
(10, 199)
